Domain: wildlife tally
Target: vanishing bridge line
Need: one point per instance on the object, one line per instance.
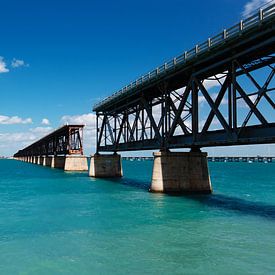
(161, 110)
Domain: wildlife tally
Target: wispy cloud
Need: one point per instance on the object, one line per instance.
(12, 142)
(14, 120)
(45, 121)
(3, 66)
(251, 6)
(86, 119)
(16, 63)
(40, 131)
(16, 139)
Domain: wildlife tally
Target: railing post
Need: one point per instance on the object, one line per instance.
(241, 25)
(224, 34)
(174, 61)
(209, 42)
(260, 15)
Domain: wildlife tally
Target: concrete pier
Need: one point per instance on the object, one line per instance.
(105, 166)
(44, 161)
(41, 160)
(48, 161)
(36, 160)
(58, 162)
(76, 163)
(180, 172)
(68, 163)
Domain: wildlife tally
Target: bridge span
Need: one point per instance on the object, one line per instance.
(62, 148)
(220, 93)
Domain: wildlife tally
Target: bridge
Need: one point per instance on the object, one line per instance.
(231, 74)
(62, 148)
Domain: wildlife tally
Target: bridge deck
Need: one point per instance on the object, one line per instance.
(248, 40)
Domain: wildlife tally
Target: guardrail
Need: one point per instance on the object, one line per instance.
(232, 32)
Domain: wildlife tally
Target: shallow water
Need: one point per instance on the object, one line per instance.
(53, 222)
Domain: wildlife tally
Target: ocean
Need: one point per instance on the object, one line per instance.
(56, 222)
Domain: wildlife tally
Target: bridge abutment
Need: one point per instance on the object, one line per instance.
(180, 172)
(105, 166)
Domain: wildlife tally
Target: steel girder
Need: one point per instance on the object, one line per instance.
(173, 119)
(67, 140)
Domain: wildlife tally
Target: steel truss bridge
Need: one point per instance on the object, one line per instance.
(230, 74)
(67, 140)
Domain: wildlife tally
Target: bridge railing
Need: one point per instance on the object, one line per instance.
(236, 30)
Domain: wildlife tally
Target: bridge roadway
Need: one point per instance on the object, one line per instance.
(162, 110)
(63, 148)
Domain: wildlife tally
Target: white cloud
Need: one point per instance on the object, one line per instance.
(3, 66)
(14, 120)
(19, 140)
(253, 5)
(208, 84)
(85, 119)
(41, 130)
(202, 100)
(16, 63)
(45, 121)
(12, 142)
(11, 138)
(242, 103)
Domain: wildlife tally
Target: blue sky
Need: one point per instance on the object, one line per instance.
(60, 57)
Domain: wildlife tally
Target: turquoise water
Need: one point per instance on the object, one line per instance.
(54, 222)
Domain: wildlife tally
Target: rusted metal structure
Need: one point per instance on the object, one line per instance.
(161, 110)
(67, 140)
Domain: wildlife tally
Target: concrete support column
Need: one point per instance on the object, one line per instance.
(58, 162)
(68, 163)
(36, 159)
(180, 172)
(105, 166)
(49, 161)
(75, 163)
(44, 160)
(41, 160)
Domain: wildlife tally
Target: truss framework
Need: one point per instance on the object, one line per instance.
(172, 120)
(67, 140)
